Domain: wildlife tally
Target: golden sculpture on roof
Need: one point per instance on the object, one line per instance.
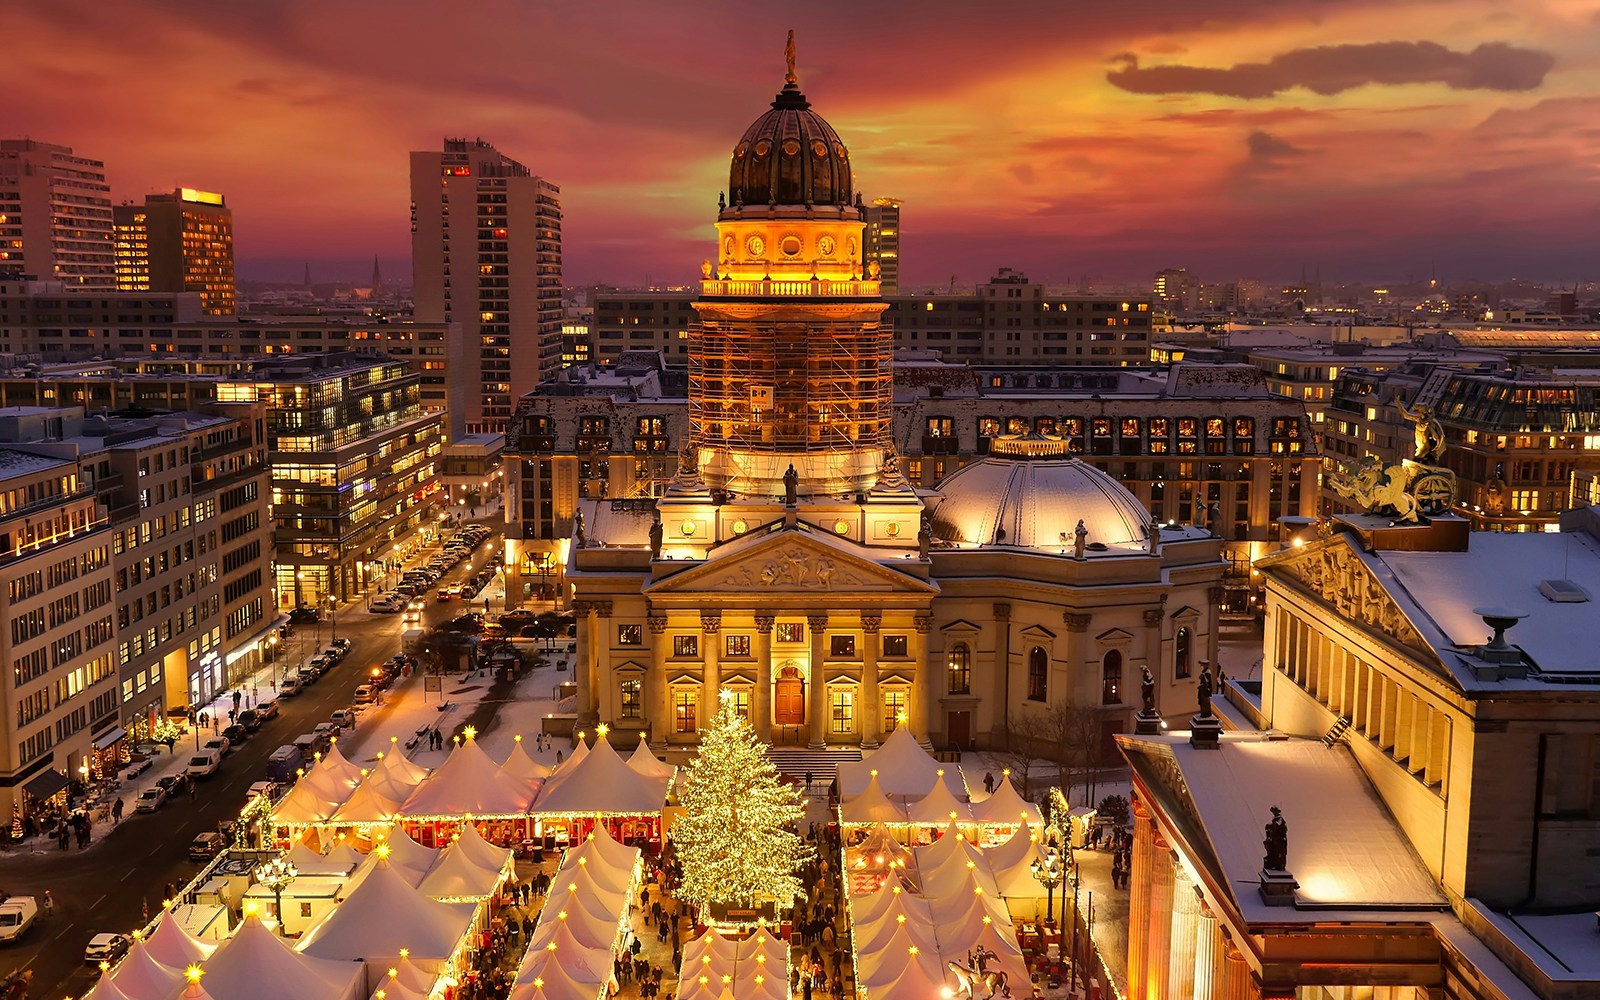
(788, 58)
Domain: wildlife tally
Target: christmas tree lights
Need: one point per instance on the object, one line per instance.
(736, 839)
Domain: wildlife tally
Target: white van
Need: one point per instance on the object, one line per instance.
(203, 764)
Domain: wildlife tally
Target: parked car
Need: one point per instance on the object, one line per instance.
(203, 764)
(235, 734)
(267, 788)
(150, 799)
(289, 687)
(284, 764)
(172, 784)
(267, 709)
(17, 914)
(344, 718)
(366, 695)
(221, 744)
(325, 732)
(206, 846)
(106, 948)
(250, 720)
(342, 644)
(305, 615)
(443, 595)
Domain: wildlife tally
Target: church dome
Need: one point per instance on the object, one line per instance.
(1033, 497)
(790, 156)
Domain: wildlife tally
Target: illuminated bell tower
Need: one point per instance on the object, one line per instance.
(789, 365)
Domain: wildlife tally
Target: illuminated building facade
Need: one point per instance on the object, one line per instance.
(180, 241)
(882, 236)
(789, 560)
(486, 255)
(55, 215)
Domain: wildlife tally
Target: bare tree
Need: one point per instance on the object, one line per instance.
(1026, 739)
(1077, 745)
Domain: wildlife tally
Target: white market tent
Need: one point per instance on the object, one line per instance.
(407, 976)
(400, 768)
(1012, 863)
(600, 844)
(195, 991)
(385, 916)
(876, 852)
(646, 763)
(307, 804)
(601, 783)
(105, 988)
(256, 964)
(140, 975)
(939, 807)
(575, 957)
(523, 767)
(905, 770)
(405, 853)
(173, 946)
(871, 806)
(1006, 808)
(554, 980)
(871, 907)
(458, 877)
(468, 783)
(482, 853)
(307, 861)
(373, 804)
(752, 968)
(569, 953)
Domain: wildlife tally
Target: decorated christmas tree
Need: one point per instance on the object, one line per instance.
(736, 839)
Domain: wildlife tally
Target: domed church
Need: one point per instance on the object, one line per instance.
(791, 563)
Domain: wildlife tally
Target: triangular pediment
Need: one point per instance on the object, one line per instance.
(1114, 635)
(1038, 631)
(798, 562)
(1332, 573)
(960, 625)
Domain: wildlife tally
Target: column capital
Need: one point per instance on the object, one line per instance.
(871, 623)
(657, 623)
(1152, 616)
(1076, 622)
(1139, 809)
(817, 620)
(923, 623)
(711, 624)
(764, 623)
(602, 608)
(1161, 843)
(582, 607)
(1002, 611)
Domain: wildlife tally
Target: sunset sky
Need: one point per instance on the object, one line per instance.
(1374, 140)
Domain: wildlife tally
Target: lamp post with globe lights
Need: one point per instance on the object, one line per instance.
(276, 875)
(1049, 872)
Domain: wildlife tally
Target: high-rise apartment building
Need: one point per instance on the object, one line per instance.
(882, 241)
(486, 254)
(55, 215)
(180, 241)
(1176, 288)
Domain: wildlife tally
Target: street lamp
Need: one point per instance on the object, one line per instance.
(1073, 876)
(333, 615)
(1049, 873)
(276, 876)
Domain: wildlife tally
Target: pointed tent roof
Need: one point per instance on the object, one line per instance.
(553, 982)
(939, 807)
(371, 804)
(871, 806)
(900, 914)
(307, 861)
(306, 804)
(957, 878)
(914, 979)
(256, 964)
(482, 853)
(879, 843)
(410, 975)
(585, 915)
(393, 989)
(335, 769)
(878, 967)
(468, 783)
(951, 844)
(601, 844)
(904, 769)
(580, 961)
(385, 915)
(1006, 807)
(1012, 864)
(523, 767)
(578, 878)
(194, 991)
(459, 876)
(870, 909)
(645, 762)
(105, 988)
(601, 782)
(400, 767)
(171, 945)
(404, 852)
(141, 975)
(345, 854)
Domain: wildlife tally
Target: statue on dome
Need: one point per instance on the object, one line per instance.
(924, 537)
(722, 201)
(656, 535)
(788, 59)
(705, 269)
(1155, 537)
(580, 538)
(1276, 843)
(873, 270)
(889, 475)
(1080, 540)
(791, 486)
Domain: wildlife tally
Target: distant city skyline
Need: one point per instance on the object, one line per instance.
(1243, 138)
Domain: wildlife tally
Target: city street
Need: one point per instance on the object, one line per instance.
(107, 887)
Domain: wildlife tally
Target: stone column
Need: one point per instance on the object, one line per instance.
(817, 692)
(870, 710)
(762, 706)
(1002, 670)
(658, 713)
(588, 637)
(1158, 946)
(711, 668)
(925, 685)
(1185, 928)
(1235, 982)
(1207, 953)
(591, 706)
(1139, 898)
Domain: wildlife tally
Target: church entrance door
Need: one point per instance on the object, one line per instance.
(958, 729)
(789, 698)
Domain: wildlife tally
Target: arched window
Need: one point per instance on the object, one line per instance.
(1182, 650)
(1038, 673)
(1111, 688)
(960, 669)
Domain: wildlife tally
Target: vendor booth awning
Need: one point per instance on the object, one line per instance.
(109, 737)
(46, 783)
(468, 783)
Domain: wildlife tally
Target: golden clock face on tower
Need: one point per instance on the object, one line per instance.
(755, 246)
(825, 246)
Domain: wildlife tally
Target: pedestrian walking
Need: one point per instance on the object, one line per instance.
(116, 811)
(49, 904)
(988, 782)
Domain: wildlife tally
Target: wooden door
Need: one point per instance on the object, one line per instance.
(789, 699)
(958, 729)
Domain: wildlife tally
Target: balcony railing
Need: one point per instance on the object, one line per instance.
(769, 288)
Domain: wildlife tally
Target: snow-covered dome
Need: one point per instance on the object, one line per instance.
(1030, 493)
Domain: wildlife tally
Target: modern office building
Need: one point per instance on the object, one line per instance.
(1176, 289)
(1006, 321)
(355, 467)
(178, 241)
(881, 240)
(486, 256)
(55, 216)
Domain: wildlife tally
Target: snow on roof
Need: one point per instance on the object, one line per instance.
(1505, 570)
(904, 768)
(384, 916)
(1345, 849)
(1563, 946)
(256, 964)
(601, 782)
(468, 783)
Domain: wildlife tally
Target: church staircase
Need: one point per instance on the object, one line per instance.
(823, 764)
